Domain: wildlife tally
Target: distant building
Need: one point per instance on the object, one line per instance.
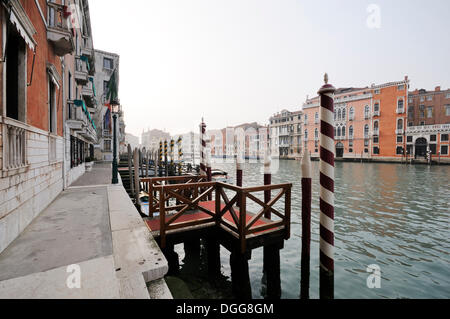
(285, 130)
(251, 138)
(132, 140)
(105, 64)
(428, 123)
(370, 122)
(150, 139)
(190, 145)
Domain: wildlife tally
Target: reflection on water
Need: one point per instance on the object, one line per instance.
(392, 215)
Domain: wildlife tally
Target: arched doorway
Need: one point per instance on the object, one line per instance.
(421, 147)
(339, 150)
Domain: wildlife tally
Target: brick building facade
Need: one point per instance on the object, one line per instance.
(47, 105)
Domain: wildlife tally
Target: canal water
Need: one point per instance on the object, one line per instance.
(392, 215)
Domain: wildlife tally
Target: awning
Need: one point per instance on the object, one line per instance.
(22, 23)
(93, 86)
(88, 114)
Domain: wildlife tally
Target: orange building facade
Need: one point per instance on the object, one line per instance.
(370, 123)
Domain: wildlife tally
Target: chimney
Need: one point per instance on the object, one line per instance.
(437, 89)
(406, 78)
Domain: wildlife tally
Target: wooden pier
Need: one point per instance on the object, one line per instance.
(180, 212)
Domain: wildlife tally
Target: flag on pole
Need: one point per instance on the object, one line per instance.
(112, 94)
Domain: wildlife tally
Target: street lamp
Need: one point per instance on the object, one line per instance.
(115, 108)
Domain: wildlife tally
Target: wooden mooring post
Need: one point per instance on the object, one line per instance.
(271, 253)
(137, 188)
(240, 277)
(130, 171)
(306, 224)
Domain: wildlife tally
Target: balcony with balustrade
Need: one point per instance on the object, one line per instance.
(58, 31)
(439, 128)
(14, 144)
(89, 94)
(400, 110)
(81, 71)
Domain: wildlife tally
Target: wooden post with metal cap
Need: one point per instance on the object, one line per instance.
(306, 223)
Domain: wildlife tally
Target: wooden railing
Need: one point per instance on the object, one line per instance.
(239, 224)
(149, 185)
(231, 214)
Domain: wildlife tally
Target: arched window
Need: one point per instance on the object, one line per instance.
(375, 125)
(350, 131)
(339, 114)
(317, 117)
(352, 114)
(400, 104)
(376, 107)
(339, 131)
(400, 124)
(366, 131)
(366, 111)
(335, 131)
(306, 134)
(343, 131)
(306, 118)
(343, 114)
(316, 133)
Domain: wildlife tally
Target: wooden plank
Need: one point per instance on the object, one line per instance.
(173, 178)
(190, 223)
(186, 186)
(266, 188)
(229, 225)
(261, 228)
(231, 187)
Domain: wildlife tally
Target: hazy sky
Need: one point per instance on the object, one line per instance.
(236, 61)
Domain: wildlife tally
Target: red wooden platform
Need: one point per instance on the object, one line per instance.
(154, 223)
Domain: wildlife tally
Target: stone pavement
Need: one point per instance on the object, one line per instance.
(94, 226)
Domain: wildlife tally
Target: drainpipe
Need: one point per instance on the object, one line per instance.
(64, 105)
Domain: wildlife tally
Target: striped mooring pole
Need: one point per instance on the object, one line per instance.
(180, 155)
(160, 159)
(172, 156)
(165, 158)
(172, 147)
(327, 148)
(239, 173)
(306, 224)
(267, 179)
(202, 148)
(208, 158)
